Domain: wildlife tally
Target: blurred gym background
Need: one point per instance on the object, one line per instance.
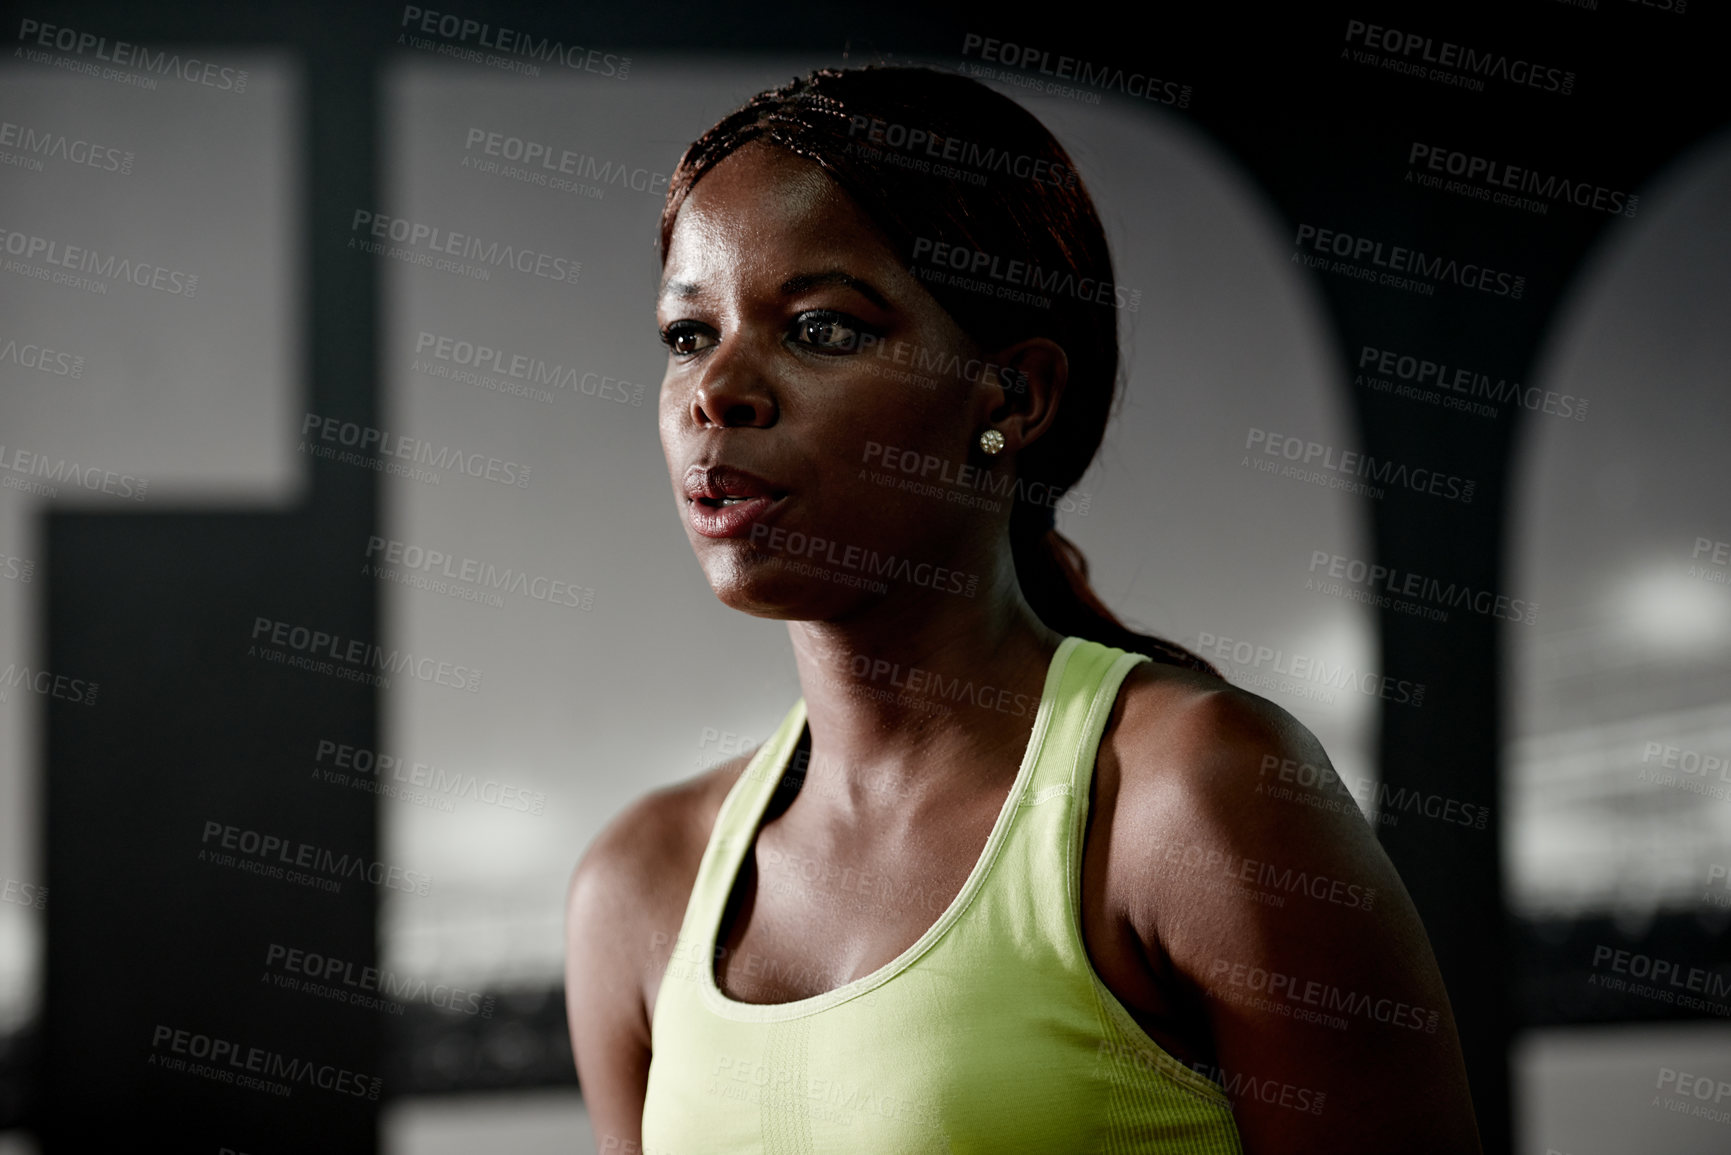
(228, 232)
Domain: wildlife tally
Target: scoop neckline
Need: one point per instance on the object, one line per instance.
(721, 1003)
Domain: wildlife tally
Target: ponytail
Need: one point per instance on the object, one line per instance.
(1054, 577)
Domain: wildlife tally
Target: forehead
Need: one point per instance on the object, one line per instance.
(763, 209)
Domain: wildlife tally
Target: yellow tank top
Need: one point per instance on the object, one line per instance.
(990, 1034)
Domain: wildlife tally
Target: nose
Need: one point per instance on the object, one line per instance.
(732, 391)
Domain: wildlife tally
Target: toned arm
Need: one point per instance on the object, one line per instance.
(604, 997)
(1272, 908)
(623, 911)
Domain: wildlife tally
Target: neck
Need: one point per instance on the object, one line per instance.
(920, 697)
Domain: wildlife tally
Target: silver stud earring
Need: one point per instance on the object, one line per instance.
(992, 442)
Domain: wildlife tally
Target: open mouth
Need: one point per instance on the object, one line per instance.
(721, 502)
(732, 516)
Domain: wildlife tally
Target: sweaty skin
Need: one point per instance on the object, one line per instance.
(772, 276)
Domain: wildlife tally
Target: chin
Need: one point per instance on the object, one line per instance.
(765, 588)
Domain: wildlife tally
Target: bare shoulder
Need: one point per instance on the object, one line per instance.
(1198, 759)
(1201, 732)
(1226, 803)
(626, 901)
(1256, 886)
(640, 869)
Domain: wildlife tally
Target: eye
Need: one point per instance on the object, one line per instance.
(827, 332)
(684, 338)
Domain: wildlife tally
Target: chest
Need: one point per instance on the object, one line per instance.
(988, 1036)
(921, 1064)
(810, 912)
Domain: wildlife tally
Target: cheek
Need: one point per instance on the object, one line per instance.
(667, 419)
(920, 423)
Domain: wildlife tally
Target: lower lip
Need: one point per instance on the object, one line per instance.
(729, 520)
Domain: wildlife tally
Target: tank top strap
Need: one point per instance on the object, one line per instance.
(1088, 678)
(735, 828)
(1037, 886)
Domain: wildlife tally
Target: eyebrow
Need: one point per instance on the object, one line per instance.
(797, 284)
(806, 281)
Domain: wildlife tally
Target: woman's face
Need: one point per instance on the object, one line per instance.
(795, 345)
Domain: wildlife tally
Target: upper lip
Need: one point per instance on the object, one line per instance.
(719, 481)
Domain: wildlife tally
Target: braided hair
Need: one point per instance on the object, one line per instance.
(934, 158)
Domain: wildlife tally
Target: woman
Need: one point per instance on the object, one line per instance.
(1008, 877)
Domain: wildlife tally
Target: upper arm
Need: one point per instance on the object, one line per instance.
(609, 948)
(1278, 914)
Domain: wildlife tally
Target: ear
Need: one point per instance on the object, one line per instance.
(1028, 380)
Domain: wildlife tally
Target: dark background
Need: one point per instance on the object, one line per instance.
(137, 935)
